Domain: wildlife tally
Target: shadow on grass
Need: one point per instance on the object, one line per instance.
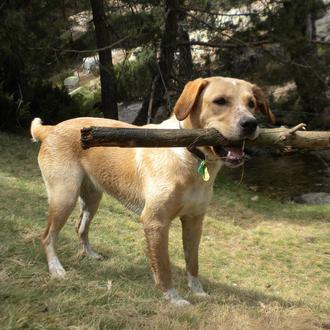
(119, 266)
(131, 277)
(223, 293)
(23, 211)
(139, 275)
(234, 200)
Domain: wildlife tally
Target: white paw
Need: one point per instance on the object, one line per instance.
(55, 268)
(91, 253)
(196, 286)
(180, 302)
(174, 298)
(201, 294)
(95, 255)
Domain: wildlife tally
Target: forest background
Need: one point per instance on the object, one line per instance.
(148, 50)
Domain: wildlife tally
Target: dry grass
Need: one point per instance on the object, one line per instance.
(265, 264)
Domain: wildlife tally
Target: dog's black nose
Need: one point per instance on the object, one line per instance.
(249, 125)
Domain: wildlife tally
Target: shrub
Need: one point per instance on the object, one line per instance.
(134, 77)
(7, 109)
(52, 104)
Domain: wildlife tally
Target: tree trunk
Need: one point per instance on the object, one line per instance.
(186, 61)
(161, 84)
(307, 69)
(166, 59)
(107, 74)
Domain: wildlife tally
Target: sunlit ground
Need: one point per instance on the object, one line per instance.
(265, 264)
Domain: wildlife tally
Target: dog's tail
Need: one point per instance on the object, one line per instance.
(39, 131)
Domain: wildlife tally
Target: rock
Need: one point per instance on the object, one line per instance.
(322, 26)
(314, 198)
(118, 55)
(80, 24)
(255, 198)
(91, 64)
(161, 114)
(71, 83)
(128, 111)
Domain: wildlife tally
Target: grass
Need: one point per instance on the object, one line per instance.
(266, 264)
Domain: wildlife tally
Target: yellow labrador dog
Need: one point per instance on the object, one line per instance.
(160, 184)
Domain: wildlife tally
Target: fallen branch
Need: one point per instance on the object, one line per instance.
(281, 137)
(296, 137)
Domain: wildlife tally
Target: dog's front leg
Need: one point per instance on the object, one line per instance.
(191, 236)
(156, 229)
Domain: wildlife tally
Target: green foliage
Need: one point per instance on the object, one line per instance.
(52, 104)
(141, 27)
(286, 54)
(7, 109)
(135, 77)
(31, 30)
(86, 101)
(27, 33)
(289, 110)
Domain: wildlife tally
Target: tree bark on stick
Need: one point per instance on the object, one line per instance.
(156, 138)
(107, 74)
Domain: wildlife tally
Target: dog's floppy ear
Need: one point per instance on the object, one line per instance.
(263, 104)
(188, 98)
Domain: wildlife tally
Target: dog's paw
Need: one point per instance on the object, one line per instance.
(196, 287)
(95, 255)
(201, 294)
(91, 253)
(180, 302)
(56, 269)
(174, 298)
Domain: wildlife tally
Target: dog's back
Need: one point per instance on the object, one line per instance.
(63, 162)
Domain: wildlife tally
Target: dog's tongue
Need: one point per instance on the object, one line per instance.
(234, 153)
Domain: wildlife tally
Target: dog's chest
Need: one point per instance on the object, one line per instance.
(196, 199)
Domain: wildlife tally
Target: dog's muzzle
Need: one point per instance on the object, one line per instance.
(232, 156)
(248, 126)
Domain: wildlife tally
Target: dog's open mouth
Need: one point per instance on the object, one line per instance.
(233, 156)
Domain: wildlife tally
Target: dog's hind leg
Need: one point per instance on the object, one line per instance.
(62, 200)
(191, 235)
(90, 198)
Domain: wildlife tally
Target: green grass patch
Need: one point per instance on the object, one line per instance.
(266, 264)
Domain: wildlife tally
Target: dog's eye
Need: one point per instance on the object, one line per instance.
(251, 104)
(220, 101)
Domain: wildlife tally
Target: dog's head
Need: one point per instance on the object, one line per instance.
(226, 104)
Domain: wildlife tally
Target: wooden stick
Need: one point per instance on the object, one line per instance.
(156, 138)
(284, 137)
(149, 137)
